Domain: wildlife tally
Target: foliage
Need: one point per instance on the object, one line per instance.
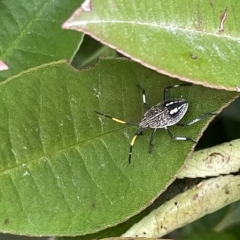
(64, 169)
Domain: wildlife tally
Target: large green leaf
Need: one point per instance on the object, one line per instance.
(64, 169)
(180, 39)
(31, 34)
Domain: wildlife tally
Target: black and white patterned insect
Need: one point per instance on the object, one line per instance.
(163, 115)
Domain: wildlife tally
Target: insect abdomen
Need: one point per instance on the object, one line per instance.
(166, 113)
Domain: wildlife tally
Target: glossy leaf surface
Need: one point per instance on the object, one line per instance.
(63, 169)
(31, 34)
(196, 41)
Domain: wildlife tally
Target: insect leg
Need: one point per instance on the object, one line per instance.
(118, 120)
(179, 138)
(151, 140)
(139, 132)
(165, 91)
(196, 119)
(144, 98)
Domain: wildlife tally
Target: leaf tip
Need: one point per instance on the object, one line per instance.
(85, 7)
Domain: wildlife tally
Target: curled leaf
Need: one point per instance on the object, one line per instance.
(207, 197)
(201, 46)
(220, 159)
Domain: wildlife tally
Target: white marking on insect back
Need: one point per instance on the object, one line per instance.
(175, 110)
(169, 104)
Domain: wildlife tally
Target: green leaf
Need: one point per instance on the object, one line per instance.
(31, 34)
(231, 218)
(179, 39)
(64, 169)
(89, 53)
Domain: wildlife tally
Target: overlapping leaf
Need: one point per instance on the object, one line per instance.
(30, 34)
(197, 41)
